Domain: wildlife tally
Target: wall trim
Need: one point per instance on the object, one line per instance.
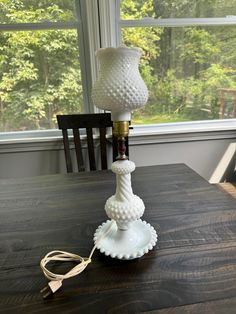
(55, 142)
(147, 139)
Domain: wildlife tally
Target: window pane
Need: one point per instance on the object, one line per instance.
(30, 11)
(39, 78)
(138, 9)
(190, 72)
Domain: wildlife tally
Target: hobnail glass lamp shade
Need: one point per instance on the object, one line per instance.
(119, 87)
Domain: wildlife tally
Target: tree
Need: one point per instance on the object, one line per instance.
(183, 67)
(145, 38)
(39, 70)
(187, 65)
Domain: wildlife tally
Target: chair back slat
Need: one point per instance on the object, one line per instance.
(78, 150)
(92, 162)
(67, 150)
(75, 122)
(103, 146)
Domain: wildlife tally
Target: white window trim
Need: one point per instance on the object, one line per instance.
(37, 26)
(109, 23)
(169, 132)
(178, 22)
(89, 42)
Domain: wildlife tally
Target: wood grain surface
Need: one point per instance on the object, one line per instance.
(191, 270)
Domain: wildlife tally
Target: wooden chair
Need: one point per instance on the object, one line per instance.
(102, 121)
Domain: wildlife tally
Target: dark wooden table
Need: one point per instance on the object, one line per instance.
(191, 270)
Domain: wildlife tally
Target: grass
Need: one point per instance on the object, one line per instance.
(155, 119)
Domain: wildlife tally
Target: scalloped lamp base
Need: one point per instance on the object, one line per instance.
(140, 238)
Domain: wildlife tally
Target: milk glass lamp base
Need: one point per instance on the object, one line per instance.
(126, 244)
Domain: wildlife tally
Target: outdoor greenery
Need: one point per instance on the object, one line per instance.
(190, 71)
(39, 70)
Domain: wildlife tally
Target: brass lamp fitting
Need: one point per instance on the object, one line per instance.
(120, 131)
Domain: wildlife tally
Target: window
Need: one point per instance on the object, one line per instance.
(40, 74)
(188, 63)
(189, 60)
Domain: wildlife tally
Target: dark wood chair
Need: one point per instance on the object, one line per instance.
(75, 122)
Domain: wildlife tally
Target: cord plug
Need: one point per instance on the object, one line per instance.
(51, 288)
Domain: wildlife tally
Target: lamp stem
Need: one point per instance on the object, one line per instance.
(120, 131)
(121, 149)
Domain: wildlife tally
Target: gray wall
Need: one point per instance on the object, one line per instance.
(201, 156)
(202, 152)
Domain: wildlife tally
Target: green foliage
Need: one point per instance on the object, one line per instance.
(154, 119)
(145, 38)
(185, 68)
(26, 11)
(39, 70)
(198, 46)
(137, 9)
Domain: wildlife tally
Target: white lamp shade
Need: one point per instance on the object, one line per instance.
(119, 87)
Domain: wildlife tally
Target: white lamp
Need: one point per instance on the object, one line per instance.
(120, 89)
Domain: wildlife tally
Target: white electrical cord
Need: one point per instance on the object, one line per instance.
(55, 280)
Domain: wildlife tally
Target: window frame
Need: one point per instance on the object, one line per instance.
(87, 25)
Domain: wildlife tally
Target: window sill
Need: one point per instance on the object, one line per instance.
(184, 131)
(186, 127)
(140, 134)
